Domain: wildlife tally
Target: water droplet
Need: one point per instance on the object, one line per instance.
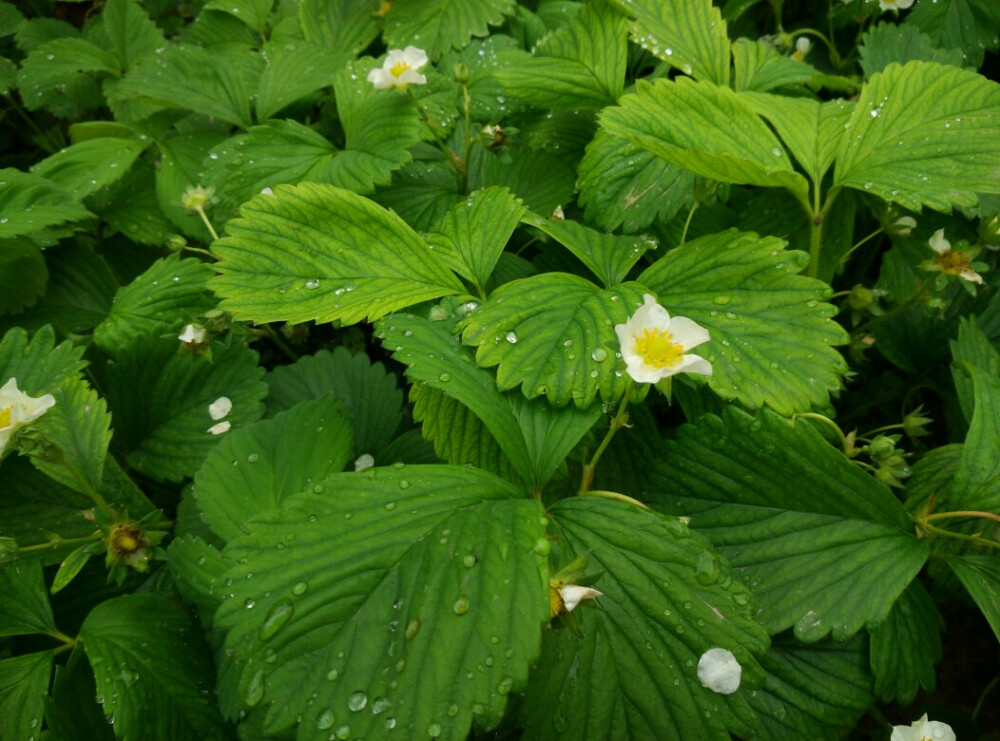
(469, 561)
(452, 710)
(253, 458)
(390, 723)
(255, 691)
(721, 300)
(277, 616)
(332, 674)
(326, 720)
(444, 377)
(777, 152)
(300, 588)
(511, 337)
(250, 602)
(404, 484)
(461, 605)
(312, 283)
(357, 701)
(434, 730)
(599, 355)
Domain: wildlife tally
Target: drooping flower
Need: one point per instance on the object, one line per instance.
(802, 47)
(193, 334)
(655, 346)
(196, 197)
(894, 5)
(17, 410)
(923, 730)
(952, 261)
(719, 671)
(400, 69)
(572, 595)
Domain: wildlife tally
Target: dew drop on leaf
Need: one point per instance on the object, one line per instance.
(255, 691)
(326, 720)
(357, 701)
(278, 615)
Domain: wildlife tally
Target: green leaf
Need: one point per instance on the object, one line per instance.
(8, 73)
(969, 25)
(923, 134)
(811, 130)
(24, 607)
(73, 564)
(819, 691)
(823, 546)
(422, 193)
(622, 184)
(86, 167)
(421, 551)
(340, 24)
(541, 180)
(11, 19)
(931, 474)
(23, 273)
(666, 600)
(533, 436)
(607, 256)
(308, 253)
(191, 78)
(29, 203)
(295, 72)
(159, 398)
(688, 34)
(252, 12)
(180, 166)
(39, 365)
(976, 485)
(171, 293)
(472, 236)
(71, 710)
(133, 35)
(981, 577)
(439, 25)
(24, 683)
(196, 567)
(709, 130)
(906, 646)
(131, 206)
(256, 468)
(771, 335)
(152, 668)
(553, 334)
(887, 43)
(370, 392)
(579, 65)
(50, 70)
(972, 347)
(759, 67)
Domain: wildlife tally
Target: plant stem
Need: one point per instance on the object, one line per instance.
(449, 155)
(974, 539)
(687, 222)
(59, 541)
(847, 254)
(961, 513)
(208, 224)
(467, 101)
(986, 691)
(282, 345)
(917, 294)
(614, 495)
(620, 420)
(833, 425)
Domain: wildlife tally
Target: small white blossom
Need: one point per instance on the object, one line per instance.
(193, 334)
(364, 461)
(655, 346)
(894, 5)
(219, 428)
(196, 198)
(902, 226)
(802, 47)
(400, 69)
(17, 410)
(557, 214)
(220, 408)
(923, 730)
(719, 670)
(951, 261)
(572, 595)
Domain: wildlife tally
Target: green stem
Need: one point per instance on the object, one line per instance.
(961, 513)
(833, 425)
(614, 495)
(974, 539)
(687, 222)
(818, 34)
(885, 428)
(468, 136)
(917, 294)
(200, 251)
(208, 224)
(989, 688)
(620, 420)
(445, 150)
(58, 542)
(847, 254)
(276, 338)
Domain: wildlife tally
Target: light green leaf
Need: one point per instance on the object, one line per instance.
(192, 78)
(159, 398)
(972, 347)
(39, 365)
(976, 485)
(667, 598)
(73, 564)
(315, 252)
(257, 467)
(163, 299)
(811, 130)
(771, 336)
(819, 691)
(981, 577)
(689, 34)
(823, 546)
(11, 20)
(472, 236)
(906, 646)
(554, 335)
(886, 43)
(622, 184)
(607, 256)
(704, 128)
(132, 33)
(760, 68)
(923, 134)
(24, 683)
(150, 662)
(46, 69)
(196, 567)
(439, 25)
(420, 551)
(29, 203)
(370, 392)
(579, 65)
(294, 72)
(24, 607)
(23, 274)
(86, 167)
(340, 24)
(969, 25)
(252, 12)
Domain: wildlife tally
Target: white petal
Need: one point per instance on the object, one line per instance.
(903, 733)
(687, 333)
(416, 58)
(938, 243)
(643, 373)
(411, 77)
(219, 428)
(649, 316)
(220, 407)
(572, 595)
(719, 670)
(381, 79)
(364, 461)
(192, 334)
(693, 364)
(803, 45)
(972, 276)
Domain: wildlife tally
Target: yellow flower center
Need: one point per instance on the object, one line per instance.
(952, 262)
(657, 348)
(5, 416)
(398, 68)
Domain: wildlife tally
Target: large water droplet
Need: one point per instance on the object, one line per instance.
(380, 705)
(300, 588)
(357, 701)
(277, 616)
(599, 355)
(511, 337)
(326, 720)
(312, 283)
(461, 605)
(255, 691)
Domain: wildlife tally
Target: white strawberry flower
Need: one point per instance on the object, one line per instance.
(894, 5)
(193, 334)
(400, 69)
(17, 410)
(923, 730)
(655, 346)
(719, 671)
(802, 47)
(572, 595)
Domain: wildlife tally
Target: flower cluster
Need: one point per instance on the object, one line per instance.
(17, 410)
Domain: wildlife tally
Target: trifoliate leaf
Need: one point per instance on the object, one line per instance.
(704, 128)
(257, 467)
(441, 568)
(667, 599)
(471, 238)
(819, 691)
(132, 33)
(160, 396)
(38, 364)
(24, 683)
(758, 67)
(906, 646)
(972, 347)
(24, 607)
(370, 392)
(823, 546)
(88, 166)
(29, 203)
(153, 669)
(969, 25)
(554, 335)
(981, 577)
(319, 252)
(340, 24)
(170, 294)
(23, 273)
(439, 25)
(923, 134)
(292, 73)
(689, 34)
(976, 485)
(771, 335)
(886, 43)
(622, 184)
